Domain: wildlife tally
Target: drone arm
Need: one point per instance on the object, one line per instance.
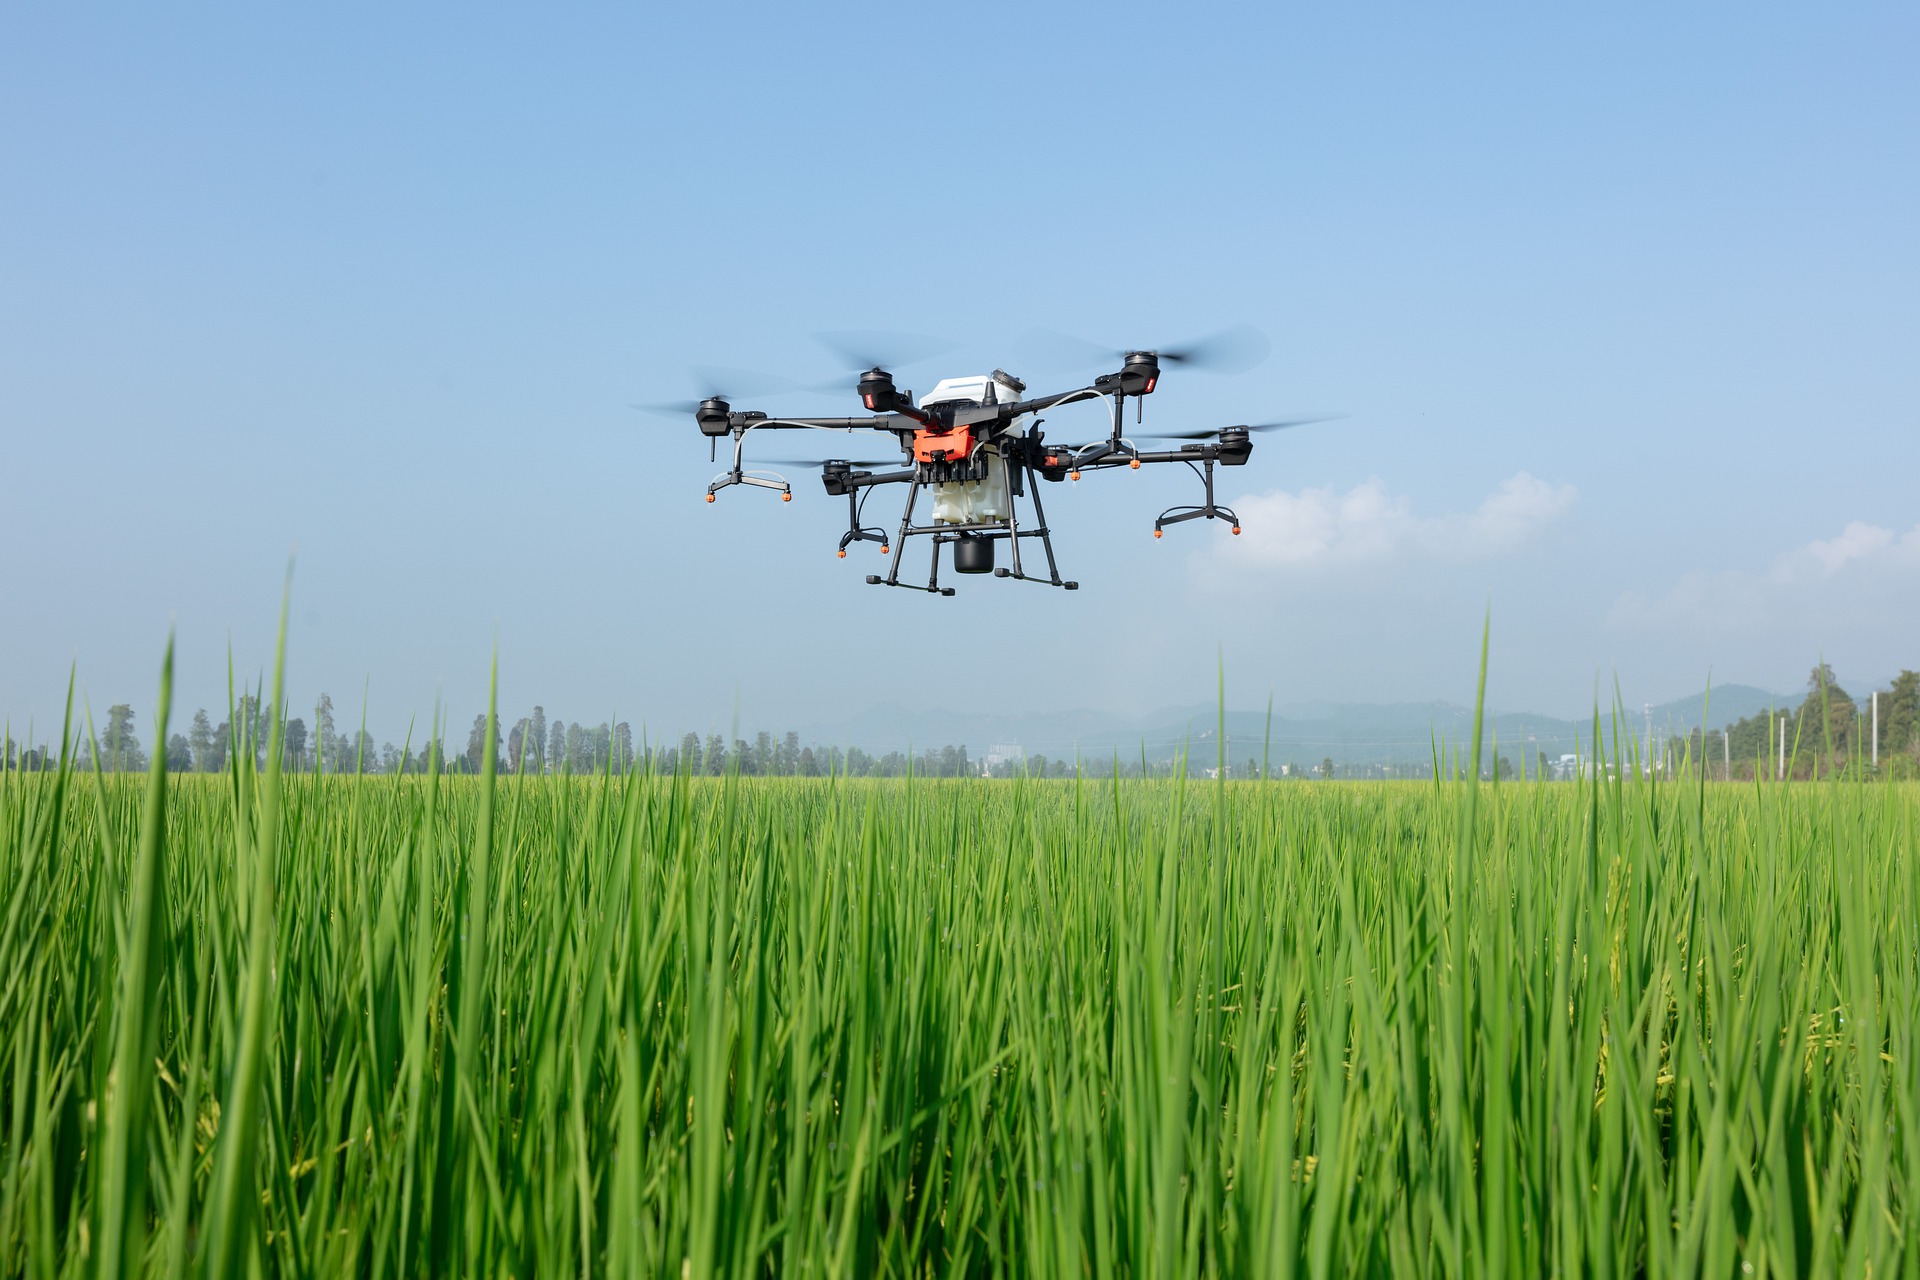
(1044, 403)
(744, 422)
(1103, 456)
(867, 479)
(1191, 453)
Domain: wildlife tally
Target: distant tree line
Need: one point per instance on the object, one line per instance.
(208, 747)
(1828, 733)
(768, 756)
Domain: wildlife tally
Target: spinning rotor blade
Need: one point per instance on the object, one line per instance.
(1049, 351)
(734, 384)
(729, 384)
(1232, 350)
(1279, 424)
(863, 349)
(668, 408)
(821, 462)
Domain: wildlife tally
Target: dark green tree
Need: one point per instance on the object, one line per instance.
(1827, 722)
(1900, 716)
(474, 758)
(536, 744)
(119, 745)
(323, 735)
(202, 739)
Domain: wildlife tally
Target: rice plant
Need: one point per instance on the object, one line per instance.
(658, 1025)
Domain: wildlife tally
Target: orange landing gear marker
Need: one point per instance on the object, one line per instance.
(1236, 531)
(709, 497)
(842, 553)
(1156, 533)
(1135, 464)
(786, 497)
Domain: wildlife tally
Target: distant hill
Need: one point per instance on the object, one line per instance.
(1720, 707)
(1398, 733)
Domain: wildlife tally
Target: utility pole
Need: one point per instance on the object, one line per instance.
(1726, 746)
(1648, 754)
(1782, 775)
(1876, 728)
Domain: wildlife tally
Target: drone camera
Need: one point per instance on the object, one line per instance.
(714, 416)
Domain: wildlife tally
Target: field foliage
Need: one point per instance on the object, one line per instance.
(660, 1025)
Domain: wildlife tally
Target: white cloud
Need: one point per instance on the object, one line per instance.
(1738, 599)
(1856, 542)
(1366, 524)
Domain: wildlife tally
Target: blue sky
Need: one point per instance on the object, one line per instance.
(1621, 305)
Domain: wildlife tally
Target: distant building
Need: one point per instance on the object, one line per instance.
(1001, 753)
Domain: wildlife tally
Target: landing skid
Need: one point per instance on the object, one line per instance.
(1020, 477)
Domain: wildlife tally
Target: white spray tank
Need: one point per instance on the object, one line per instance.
(975, 501)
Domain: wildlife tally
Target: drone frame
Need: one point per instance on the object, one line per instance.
(929, 435)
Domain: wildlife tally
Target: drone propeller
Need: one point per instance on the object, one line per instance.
(668, 408)
(1280, 424)
(821, 462)
(863, 349)
(727, 384)
(1231, 350)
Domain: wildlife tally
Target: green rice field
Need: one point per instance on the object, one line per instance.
(647, 1025)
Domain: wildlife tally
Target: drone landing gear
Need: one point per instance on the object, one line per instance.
(1063, 584)
(973, 552)
(875, 580)
(1208, 510)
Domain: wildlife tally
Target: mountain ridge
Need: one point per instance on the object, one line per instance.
(1350, 733)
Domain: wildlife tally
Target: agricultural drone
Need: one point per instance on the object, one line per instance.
(972, 448)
